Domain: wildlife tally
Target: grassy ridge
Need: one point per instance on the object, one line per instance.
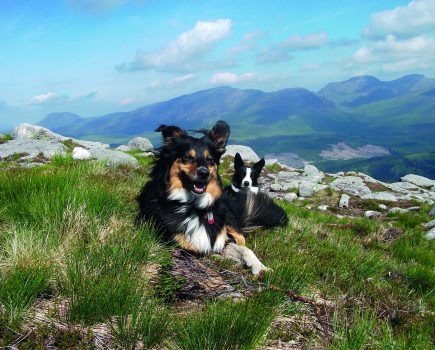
(67, 240)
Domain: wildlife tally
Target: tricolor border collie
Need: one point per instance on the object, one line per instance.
(184, 196)
(255, 208)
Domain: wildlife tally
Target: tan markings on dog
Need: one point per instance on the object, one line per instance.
(184, 243)
(192, 153)
(238, 237)
(213, 188)
(174, 174)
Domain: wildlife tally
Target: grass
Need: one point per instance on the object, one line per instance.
(67, 237)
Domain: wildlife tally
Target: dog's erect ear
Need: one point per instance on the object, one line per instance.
(238, 161)
(171, 132)
(259, 166)
(219, 135)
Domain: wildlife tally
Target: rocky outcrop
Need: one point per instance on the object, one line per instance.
(138, 143)
(247, 153)
(32, 142)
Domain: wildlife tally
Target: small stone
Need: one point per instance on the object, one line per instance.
(372, 214)
(140, 143)
(80, 153)
(430, 234)
(323, 207)
(382, 206)
(290, 197)
(429, 224)
(413, 208)
(148, 154)
(301, 199)
(397, 210)
(344, 201)
(340, 173)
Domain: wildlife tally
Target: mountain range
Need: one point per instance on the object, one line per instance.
(397, 116)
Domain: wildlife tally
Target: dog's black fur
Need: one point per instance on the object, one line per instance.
(184, 196)
(255, 208)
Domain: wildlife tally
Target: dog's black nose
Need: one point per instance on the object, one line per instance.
(203, 172)
(246, 183)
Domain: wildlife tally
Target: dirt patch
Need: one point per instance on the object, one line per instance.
(391, 234)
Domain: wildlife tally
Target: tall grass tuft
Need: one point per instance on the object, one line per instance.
(225, 325)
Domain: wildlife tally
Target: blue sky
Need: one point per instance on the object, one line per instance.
(95, 57)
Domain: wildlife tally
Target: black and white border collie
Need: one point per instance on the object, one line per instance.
(246, 178)
(255, 208)
(185, 198)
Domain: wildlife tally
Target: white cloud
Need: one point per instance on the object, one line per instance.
(49, 97)
(417, 17)
(173, 82)
(231, 78)
(395, 54)
(306, 42)
(187, 49)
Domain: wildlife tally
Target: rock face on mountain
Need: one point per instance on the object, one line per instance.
(32, 142)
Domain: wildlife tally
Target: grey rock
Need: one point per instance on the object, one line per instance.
(113, 158)
(430, 234)
(290, 197)
(301, 199)
(140, 143)
(432, 212)
(344, 201)
(429, 224)
(307, 189)
(369, 179)
(323, 207)
(285, 186)
(80, 153)
(403, 187)
(312, 174)
(123, 148)
(31, 148)
(247, 153)
(340, 173)
(34, 132)
(397, 210)
(351, 173)
(351, 185)
(413, 208)
(372, 214)
(418, 180)
(381, 196)
(148, 154)
(288, 175)
(275, 187)
(382, 206)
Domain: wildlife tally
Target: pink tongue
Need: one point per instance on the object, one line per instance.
(198, 188)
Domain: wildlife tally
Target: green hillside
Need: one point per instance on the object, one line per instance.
(76, 273)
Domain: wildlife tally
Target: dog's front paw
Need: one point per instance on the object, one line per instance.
(258, 269)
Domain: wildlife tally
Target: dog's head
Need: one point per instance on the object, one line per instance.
(246, 178)
(193, 162)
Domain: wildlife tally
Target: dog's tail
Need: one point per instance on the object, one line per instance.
(261, 211)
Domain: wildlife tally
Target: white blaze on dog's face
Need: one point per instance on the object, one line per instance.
(245, 178)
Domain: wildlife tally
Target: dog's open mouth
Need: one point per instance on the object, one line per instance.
(199, 187)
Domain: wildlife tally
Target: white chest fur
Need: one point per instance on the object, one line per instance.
(197, 235)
